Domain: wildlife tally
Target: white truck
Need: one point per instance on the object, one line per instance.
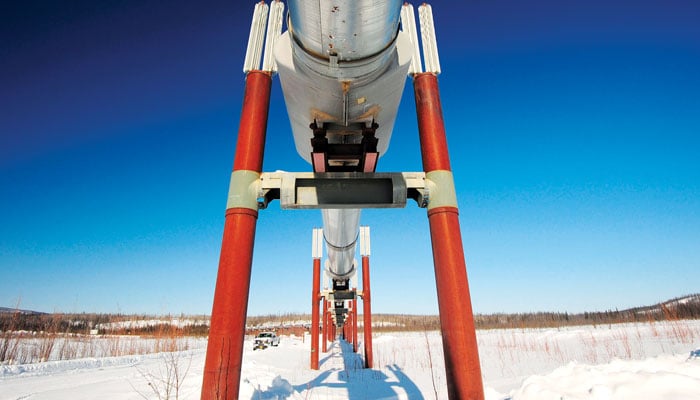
(266, 339)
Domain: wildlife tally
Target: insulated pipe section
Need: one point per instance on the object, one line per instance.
(340, 234)
(344, 64)
(347, 29)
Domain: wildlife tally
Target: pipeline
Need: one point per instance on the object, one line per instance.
(340, 235)
(342, 65)
(350, 29)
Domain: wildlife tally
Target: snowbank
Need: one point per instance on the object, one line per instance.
(632, 361)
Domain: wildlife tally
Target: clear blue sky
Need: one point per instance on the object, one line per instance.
(574, 129)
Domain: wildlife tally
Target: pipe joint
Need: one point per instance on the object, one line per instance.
(243, 190)
(441, 185)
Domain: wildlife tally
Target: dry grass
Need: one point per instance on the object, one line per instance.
(27, 337)
(51, 343)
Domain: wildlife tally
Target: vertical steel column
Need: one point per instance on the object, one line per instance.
(326, 327)
(222, 368)
(354, 324)
(350, 319)
(366, 297)
(456, 318)
(367, 311)
(314, 313)
(329, 323)
(316, 254)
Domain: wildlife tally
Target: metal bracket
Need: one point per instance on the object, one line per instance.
(345, 156)
(309, 190)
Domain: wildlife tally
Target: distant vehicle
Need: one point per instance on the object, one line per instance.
(265, 339)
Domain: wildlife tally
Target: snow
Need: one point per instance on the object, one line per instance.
(639, 361)
(663, 377)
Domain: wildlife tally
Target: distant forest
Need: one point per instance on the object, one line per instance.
(687, 307)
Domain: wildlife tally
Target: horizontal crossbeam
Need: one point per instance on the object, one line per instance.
(309, 190)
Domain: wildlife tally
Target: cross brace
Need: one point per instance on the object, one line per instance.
(308, 190)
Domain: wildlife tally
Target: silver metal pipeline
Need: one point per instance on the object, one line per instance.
(342, 63)
(340, 232)
(349, 29)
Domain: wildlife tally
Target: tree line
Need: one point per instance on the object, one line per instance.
(687, 307)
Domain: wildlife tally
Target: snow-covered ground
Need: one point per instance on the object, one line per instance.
(630, 361)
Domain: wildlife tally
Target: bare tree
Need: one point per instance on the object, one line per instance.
(165, 383)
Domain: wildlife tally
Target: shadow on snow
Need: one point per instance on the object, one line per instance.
(360, 383)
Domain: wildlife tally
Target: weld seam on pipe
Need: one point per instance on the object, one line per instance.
(336, 275)
(340, 248)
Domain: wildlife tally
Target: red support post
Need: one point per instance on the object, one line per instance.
(314, 312)
(222, 368)
(367, 311)
(326, 327)
(328, 322)
(331, 326)
(348, 331)
(456, 317)
(350, 318)
(351, 328)
(354, 325)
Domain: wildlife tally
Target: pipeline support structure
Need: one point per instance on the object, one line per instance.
(342, 68)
